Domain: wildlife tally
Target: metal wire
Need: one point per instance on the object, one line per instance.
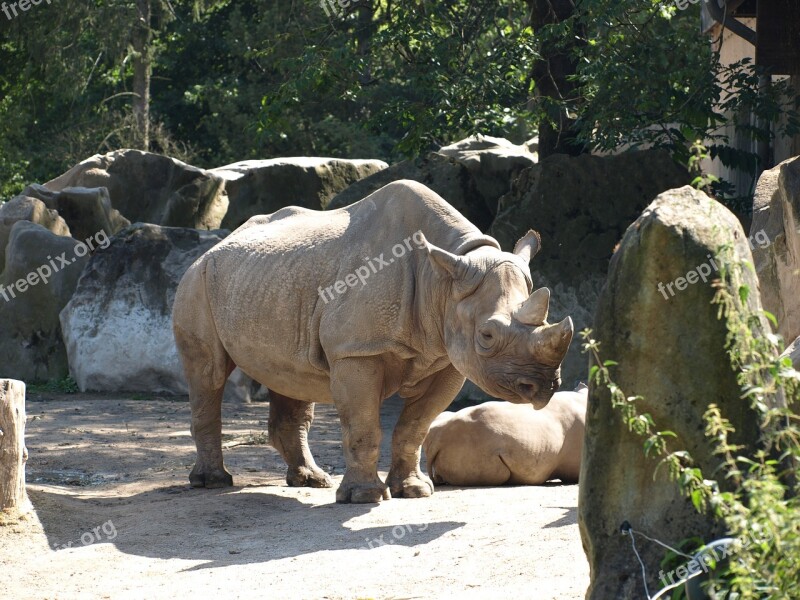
(667, 546)
(672, 586)
(639, 558)
(626, 529)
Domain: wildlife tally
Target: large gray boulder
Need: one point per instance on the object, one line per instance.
(471, 175)
(258, 187)
(40, 274)
(118, 325)
(87, 211)
(21, 208)
(492, 162)
(776, 219)
(581, 206)
(152, 188)
(656, 319)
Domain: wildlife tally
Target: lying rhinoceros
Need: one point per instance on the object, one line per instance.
(497, 443)
(397, 293)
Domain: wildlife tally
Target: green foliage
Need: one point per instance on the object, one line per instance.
(700, 180)
(425, 73)
(214, 71)
(651, 68)
(244, 80)
(65, 84)
(760, 496)
(648, 78)
(57, 386)
(416, 74)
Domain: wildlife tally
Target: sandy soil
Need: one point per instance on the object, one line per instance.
(114, 517)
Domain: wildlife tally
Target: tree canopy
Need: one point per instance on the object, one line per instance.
(216, 82)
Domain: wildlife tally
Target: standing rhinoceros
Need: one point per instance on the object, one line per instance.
(397, 293)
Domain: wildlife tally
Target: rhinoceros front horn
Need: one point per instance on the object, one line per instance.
(534, 310)
(550, 343)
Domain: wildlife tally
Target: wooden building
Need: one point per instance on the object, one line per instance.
(768, 32)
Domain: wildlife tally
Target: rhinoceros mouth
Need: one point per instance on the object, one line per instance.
(526, 390)
(507, 393)
(531, 384)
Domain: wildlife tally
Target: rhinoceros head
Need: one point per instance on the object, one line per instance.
(496, 331)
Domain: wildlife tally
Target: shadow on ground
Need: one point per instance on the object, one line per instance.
(221, 527)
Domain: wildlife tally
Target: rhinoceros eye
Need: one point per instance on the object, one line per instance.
(487, 338)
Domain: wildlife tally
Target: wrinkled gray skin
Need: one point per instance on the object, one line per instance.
(453, 306)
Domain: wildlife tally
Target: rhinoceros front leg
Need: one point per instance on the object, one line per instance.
(357, 389)
(406, 479)
(289, 422)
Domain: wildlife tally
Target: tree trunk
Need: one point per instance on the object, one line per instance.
(13, 453)
(551, 75)
(795, 81)
(142, 69)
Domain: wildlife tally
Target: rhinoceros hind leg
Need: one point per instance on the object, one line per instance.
(305, 477)
(210, 479)
(207, 366)
(360, 492)
(415, 485)
(289, 423)
(406, 479)
(206, 403)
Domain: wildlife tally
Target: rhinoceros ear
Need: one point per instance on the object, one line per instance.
(528, 246)
(446, 264)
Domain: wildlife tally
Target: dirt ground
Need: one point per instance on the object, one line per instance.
(114, 517)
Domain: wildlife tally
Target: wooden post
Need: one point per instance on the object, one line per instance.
(13, 454)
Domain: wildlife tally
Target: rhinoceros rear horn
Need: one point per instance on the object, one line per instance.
(550, 343)
(534, 310)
